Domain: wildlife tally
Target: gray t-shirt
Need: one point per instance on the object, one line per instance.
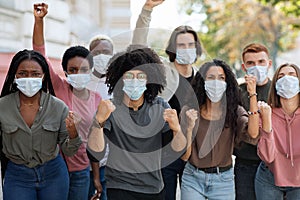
(136, 140)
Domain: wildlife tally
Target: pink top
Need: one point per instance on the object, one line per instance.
(85, 110)
(280, 149)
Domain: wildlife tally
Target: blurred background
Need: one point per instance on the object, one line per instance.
(224, 26)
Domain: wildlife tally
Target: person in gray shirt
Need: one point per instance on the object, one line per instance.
(34, 126)
(137, 124)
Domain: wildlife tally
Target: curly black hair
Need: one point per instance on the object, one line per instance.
(76, 51)
(136, 57)
(171, 47)
(10, 86)
(232, 97)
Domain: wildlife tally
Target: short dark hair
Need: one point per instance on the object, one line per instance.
(136, 57)
(10, 86)
(255, 48)
(76, 51)
(171, 48)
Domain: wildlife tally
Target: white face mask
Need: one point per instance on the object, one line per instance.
(134, 88)
(260, 72)
(215, 89)
(100, 63)
(186, 56)
(79, 81)
(287, 86)
(29, 86)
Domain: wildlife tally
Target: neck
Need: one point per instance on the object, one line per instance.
(81, 94)
(184, 70)
(290, 105)
(134, 104)
(211, 111)
(34, 100)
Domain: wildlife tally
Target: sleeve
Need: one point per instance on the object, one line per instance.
(140, 33)
(69, 146)
(266, 146)
(56, 80)
(242, 128)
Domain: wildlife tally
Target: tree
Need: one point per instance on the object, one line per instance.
(232, 24)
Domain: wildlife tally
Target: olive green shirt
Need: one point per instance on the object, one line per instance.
(39, 143)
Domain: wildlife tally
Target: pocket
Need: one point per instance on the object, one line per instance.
(189, 169)
(49, 138)
(12, 139)
(227, 175)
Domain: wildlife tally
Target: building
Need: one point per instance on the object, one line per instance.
(69, 22)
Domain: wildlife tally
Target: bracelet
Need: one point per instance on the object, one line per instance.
(98, 124)
(253, 113)
(251, 95)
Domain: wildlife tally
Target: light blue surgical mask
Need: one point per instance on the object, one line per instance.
(215, 90)
(287, 86)
(29, 86)
(79, 81)
(186, 56)
(260, 72)
(134, 88)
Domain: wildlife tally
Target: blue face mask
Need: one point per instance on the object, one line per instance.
(287, 86)
(215, 90)
(260, 72)
(186, 56)
(134, 88)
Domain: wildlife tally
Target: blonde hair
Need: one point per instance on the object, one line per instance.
(101, 37)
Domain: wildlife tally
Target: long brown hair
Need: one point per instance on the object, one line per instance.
(274, 98)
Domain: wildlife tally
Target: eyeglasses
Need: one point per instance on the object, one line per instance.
(139, 76)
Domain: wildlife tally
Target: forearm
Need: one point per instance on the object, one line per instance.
(96, 138)
(179, 141)
(38, 32)
(253, 119)
(95, 170)
(188, 152)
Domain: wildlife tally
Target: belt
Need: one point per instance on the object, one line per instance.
(214, 170)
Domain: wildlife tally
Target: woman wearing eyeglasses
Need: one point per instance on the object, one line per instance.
(137, 124)
(33, 127)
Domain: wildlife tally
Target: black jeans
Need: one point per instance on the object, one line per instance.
(244, 176)
(170, 174)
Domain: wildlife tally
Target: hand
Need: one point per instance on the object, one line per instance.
(264, 108)
(266, 115)
(99, 190)
(71, 121)
(192, 116)
(150, 4)
(105, 108)
(170, 116)
(40, 10)
(251, 84)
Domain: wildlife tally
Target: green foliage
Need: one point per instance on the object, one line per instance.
(232, 24)
(291, 7)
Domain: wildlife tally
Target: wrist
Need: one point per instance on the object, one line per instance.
(252, 95)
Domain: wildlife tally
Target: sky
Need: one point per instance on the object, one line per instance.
(163, 16)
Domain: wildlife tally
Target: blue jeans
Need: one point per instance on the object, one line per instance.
(79, 184)
(102, 181)
(265, 188)
(197, 184)
(244, 180)
(49, 181)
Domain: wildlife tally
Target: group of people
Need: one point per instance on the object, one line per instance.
(130, 125)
